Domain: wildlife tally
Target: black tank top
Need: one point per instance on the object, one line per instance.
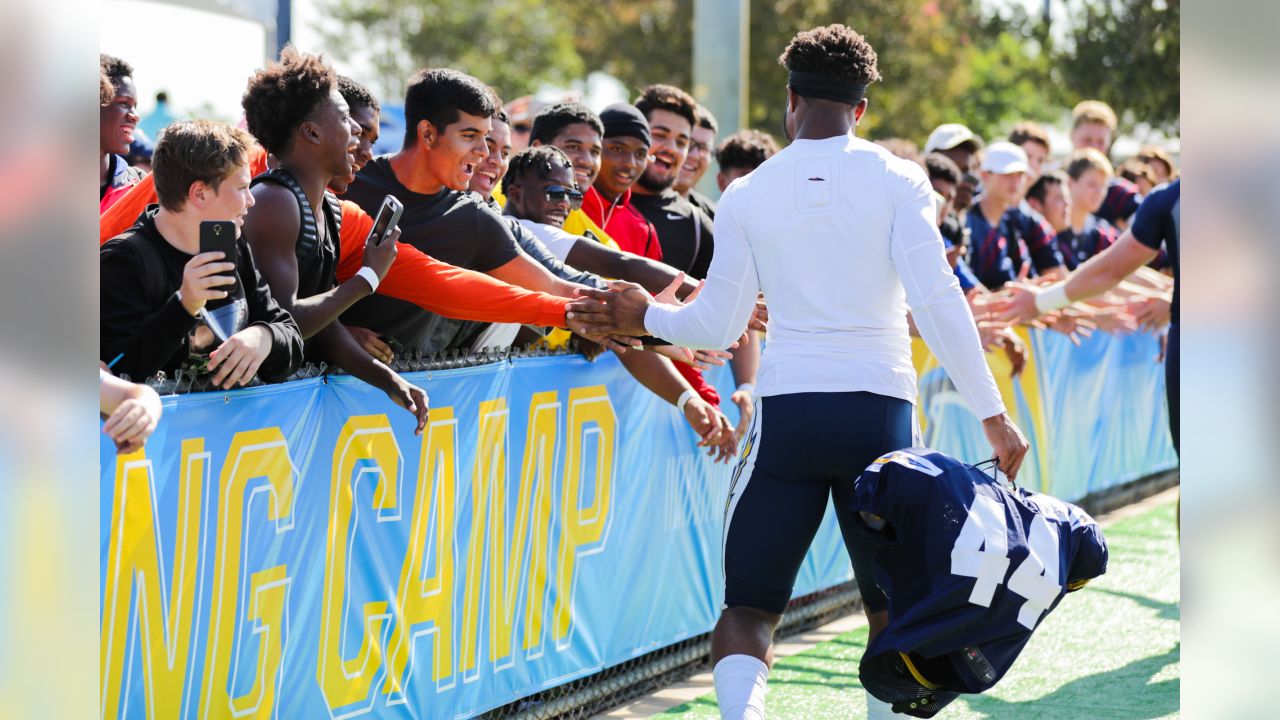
(317, 260)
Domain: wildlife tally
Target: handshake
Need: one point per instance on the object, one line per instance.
(615, 317)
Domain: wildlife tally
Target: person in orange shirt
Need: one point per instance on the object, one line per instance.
(117, 122)
(414, 276)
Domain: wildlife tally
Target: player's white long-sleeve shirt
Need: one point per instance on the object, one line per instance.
(842, 237)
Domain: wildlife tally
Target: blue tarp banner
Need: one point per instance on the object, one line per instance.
(295, 551)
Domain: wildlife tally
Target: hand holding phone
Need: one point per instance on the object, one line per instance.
(380, 247)
(220, 236)
(388, 217)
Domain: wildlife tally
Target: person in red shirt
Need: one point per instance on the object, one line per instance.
(608, 201)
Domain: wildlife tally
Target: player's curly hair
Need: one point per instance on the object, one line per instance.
(834, 50)
(281, 96)
(669, 98)
(114, 67)
(541, 160)
(745, 149)
(357, 95)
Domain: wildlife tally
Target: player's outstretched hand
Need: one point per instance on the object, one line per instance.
(1007, 442)
(1016, 303)
(617, 311)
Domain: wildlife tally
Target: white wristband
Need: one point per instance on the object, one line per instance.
(370, 276)
(748, 388)
(1052, 298)
(684, 399)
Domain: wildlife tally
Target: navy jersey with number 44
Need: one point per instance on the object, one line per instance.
(971, 568)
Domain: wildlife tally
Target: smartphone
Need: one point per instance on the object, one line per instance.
(220, 235)
(388, 218)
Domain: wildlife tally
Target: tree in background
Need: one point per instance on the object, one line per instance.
(1126, 53)
(942, 60)
(514, 45)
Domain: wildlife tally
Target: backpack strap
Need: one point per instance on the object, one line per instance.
(317, 259)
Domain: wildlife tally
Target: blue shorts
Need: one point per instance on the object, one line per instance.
(803, 448)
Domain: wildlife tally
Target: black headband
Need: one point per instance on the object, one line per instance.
(825, 87)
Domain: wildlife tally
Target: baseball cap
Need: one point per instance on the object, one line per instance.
(950, 135)
(1003, 158)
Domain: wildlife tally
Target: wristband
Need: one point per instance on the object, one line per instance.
(684, 399)
(748, 388)
(370, 276)
(1052, 298)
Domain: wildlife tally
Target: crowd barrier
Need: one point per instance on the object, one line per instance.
(294, 551)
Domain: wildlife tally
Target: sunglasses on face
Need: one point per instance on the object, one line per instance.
(559, 193)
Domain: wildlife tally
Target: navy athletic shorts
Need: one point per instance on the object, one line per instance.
(803, 448)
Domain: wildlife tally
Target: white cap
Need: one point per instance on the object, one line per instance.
(945, 137)
(1003, 158)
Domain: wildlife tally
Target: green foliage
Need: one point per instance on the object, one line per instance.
(514, 45)
(1008, 73)
(942, 60)
(640, 42)
(1126, 53)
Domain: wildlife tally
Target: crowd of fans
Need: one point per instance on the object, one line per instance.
(503, 219)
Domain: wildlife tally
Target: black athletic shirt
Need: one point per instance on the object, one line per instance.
(684, 231)
(456, 227)
(703, 203)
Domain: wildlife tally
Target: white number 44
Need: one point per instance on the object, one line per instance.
(982, 552)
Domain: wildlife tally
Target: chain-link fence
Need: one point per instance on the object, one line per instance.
(184, 382)
(616, 685)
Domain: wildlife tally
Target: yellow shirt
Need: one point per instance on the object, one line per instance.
(576, 224)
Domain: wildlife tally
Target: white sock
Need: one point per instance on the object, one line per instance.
(878, 709)
(740, 681)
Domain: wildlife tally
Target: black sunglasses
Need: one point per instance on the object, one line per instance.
(558, 193)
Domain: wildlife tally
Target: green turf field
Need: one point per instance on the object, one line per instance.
(1109, 651)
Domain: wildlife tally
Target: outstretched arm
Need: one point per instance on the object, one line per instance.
(272, 226)
(1024, 303)
(604, 261)
(445, 289)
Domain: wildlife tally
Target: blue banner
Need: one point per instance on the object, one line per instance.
(295, 551)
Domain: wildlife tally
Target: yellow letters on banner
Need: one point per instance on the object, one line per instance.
(490, 472)
(590, 412)
(253, 454)
(133, 556)
(364, 437)
(506, 568)
(428, 600)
